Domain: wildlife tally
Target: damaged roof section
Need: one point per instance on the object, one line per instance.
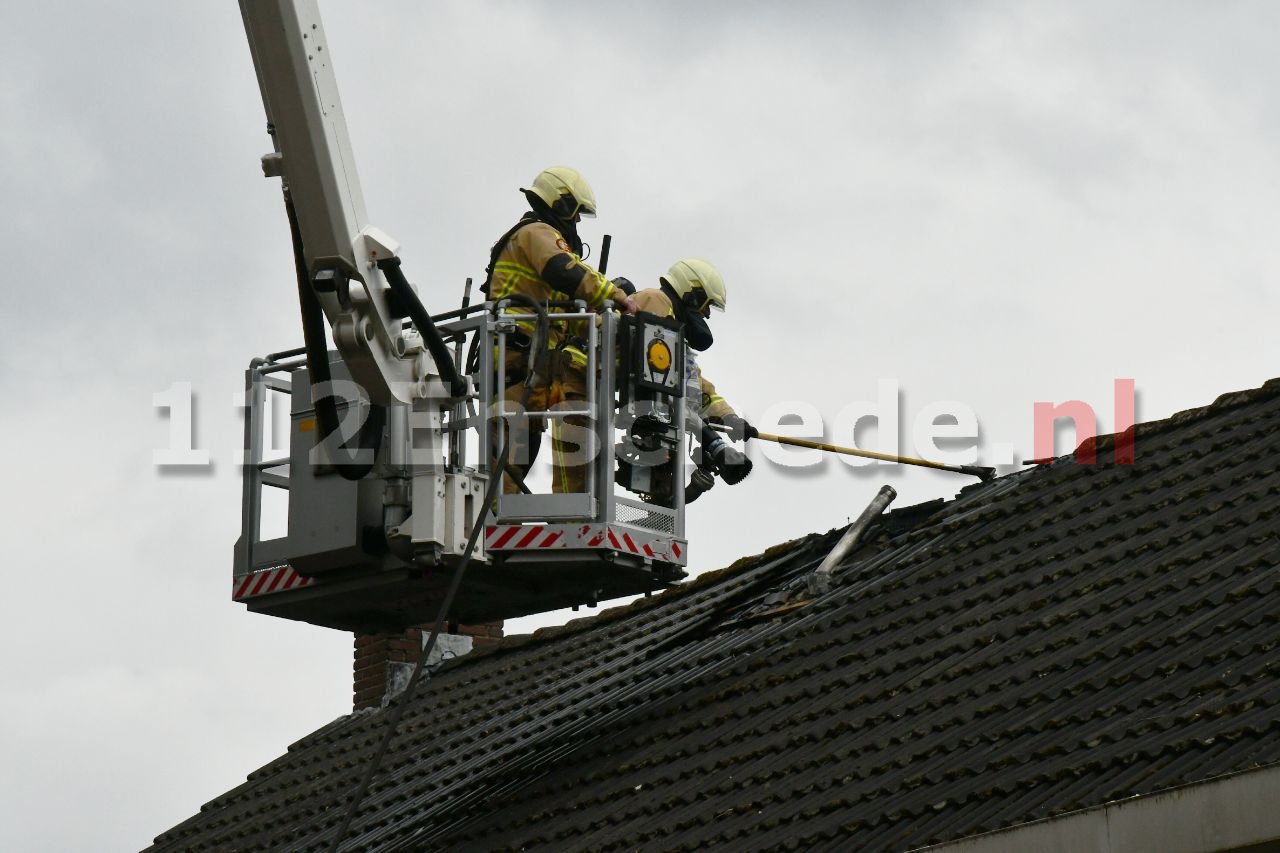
(1047, 642)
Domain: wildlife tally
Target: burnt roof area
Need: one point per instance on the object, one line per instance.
(1049, 641)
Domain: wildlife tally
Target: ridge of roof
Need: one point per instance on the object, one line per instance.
(1221, 403)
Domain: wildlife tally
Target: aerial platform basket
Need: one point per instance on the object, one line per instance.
(380, 552)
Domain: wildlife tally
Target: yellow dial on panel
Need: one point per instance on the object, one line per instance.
(659, 355)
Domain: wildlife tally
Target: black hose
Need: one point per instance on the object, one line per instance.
(541, 332)
(473, 355)
(537, 367)
(401, 289)
(369, 439)
(456, 313)
(455, 452)
(401, 702)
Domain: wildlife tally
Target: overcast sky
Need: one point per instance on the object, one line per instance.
(985, 203)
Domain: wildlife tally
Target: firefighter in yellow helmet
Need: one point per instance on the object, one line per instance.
(540, 258)
(688, 292)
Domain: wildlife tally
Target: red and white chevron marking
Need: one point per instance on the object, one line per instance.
(518, 537)
(626, 543)
(268, 580)
(533, 537)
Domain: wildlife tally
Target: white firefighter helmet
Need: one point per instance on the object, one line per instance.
(698, 283)
(565, 191)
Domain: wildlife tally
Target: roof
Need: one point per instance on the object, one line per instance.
(1055, 639)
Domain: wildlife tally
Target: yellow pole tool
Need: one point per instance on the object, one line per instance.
(982, 473)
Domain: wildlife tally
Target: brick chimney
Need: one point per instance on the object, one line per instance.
(384, 662)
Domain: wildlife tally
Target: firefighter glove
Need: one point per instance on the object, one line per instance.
(739, 429)
(730, 463)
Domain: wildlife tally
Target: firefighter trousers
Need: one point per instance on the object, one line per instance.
(572, 442)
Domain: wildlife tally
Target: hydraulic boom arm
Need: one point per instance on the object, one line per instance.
(313, 157)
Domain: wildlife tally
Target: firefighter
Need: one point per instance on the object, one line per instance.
(540, 259)
(688, 292)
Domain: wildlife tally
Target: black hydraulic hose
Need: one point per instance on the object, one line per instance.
(541, 333)
(456, 313)
(456, 450)
(422, 321)
(472, 365)
(401, 702)
(538, 357)
(537, 367)
(473, 355)
(369, 439)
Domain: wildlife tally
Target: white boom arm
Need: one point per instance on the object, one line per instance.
(313, 156)
(368, 540)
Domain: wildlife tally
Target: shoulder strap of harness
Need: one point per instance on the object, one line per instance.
(527, 219)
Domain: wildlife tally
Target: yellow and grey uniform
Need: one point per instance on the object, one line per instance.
(539, 262)
(707, 404)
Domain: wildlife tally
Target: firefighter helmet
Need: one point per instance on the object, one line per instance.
(698, 284)
(565, 191)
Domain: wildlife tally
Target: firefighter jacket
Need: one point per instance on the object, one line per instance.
(539, 262)
(710, 404)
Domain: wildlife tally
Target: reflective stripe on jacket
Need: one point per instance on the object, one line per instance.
(537, 261)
